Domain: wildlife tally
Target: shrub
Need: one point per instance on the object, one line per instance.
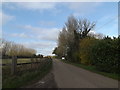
(85, 50)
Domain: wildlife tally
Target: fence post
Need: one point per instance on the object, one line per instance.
(36, 60)
(14, 65)
(31, 62)
(36, 63)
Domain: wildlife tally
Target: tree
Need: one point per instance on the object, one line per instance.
(40, 56)
(85, 26)
(70, 36)
(62, 43)
(55, 51)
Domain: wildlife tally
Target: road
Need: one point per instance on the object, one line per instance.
(69, 76)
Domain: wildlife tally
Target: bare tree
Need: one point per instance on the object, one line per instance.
(5, 47)
(84, 27)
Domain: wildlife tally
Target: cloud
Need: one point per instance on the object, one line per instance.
(45, 52)
(78, 8)
(49, 34)
(43, 33)
(81, 8)
(5, 18)
(21, 35)
(76, 5)
(42, 39)
(61, 0)
(38, 33)
(36, 6)
(31, 5)
(42, 47)
(92, 32)
(40, 44)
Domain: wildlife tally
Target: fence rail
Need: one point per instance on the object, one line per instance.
(20, 63)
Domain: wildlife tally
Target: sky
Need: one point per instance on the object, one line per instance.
(37, 24)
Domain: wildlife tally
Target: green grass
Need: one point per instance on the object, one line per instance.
(20, 60)
(24, 60)
(93, 69)
(25, 78)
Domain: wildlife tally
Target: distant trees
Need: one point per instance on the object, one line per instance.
(39, 56)
(9, 49)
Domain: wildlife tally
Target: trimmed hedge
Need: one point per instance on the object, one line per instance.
(104, 54)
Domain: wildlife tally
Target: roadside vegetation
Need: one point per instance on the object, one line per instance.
(80, 46)
(21, 66)
(26, 76)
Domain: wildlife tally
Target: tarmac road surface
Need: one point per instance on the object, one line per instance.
(69, 76)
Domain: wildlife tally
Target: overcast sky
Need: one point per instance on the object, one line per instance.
(37, 25)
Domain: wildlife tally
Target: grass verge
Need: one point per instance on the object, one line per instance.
(93, 69)
(16, 81)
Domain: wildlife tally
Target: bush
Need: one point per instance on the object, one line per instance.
(85, 50)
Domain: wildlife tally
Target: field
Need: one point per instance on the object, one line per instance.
(20, 60)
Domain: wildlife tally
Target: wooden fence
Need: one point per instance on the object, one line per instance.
(34, 64)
